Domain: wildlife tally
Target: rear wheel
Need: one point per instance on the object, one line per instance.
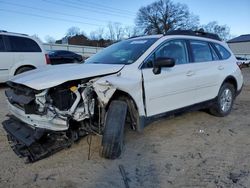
(224, 102)
(23, 69)
(112, 141)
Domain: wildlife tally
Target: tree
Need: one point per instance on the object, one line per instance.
(73, 31)
(50, 39)
(37, 38)
(191, 23)
(131, 31)
(222, 30)
(164, 15)
(115, 31)
(97, 34)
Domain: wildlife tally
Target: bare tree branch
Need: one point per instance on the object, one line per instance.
(222, 30)
(164, 15)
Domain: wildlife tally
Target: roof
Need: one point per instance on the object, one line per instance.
(241, 38)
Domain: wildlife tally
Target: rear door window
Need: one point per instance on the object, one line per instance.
(22, 44)
(201, 51)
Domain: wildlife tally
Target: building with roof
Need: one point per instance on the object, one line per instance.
(240, 46)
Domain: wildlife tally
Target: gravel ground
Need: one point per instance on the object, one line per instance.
(192, 150)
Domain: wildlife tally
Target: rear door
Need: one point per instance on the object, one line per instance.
(207, 67)
(174, 87)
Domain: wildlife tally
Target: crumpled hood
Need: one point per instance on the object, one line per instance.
(50, 76)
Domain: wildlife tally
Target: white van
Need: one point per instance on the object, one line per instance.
(19, 53)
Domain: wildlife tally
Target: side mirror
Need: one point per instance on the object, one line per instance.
(162, 62)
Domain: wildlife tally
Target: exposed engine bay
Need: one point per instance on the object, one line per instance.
(43, 122)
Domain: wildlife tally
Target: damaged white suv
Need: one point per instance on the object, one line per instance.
(131, 82)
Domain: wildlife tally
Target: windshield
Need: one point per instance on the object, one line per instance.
(124, 52)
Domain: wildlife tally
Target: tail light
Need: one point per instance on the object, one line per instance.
(47, 59)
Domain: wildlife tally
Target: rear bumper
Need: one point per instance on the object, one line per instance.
(239, 91)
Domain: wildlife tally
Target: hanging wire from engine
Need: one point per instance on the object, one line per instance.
(99, 119)
(89, 141)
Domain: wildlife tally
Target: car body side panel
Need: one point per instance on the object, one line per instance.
(173, 88)
(128, 80)
(208, 80)
(211, 76)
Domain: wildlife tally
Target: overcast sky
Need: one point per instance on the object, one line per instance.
(54, 17)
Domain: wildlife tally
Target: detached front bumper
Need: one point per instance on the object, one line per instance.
(33, 144)
(22, 132)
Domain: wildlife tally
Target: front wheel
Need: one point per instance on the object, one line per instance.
(112, 141)
(224, 101)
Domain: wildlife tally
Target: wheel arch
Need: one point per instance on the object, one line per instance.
(132, 106)
(232, 80)
(23, 66)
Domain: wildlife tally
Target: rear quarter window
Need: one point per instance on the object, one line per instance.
(22, 44)
(225, 54)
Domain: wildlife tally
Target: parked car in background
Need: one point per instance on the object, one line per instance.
(63, 57)
(242, 61)
(19, 53)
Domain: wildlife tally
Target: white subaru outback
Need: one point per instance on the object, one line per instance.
(131, 82)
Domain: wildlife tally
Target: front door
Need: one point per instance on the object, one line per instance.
(174, 87)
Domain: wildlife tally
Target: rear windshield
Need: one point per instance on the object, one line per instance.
(124, 52)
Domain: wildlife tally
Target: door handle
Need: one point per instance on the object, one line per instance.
(190, 73)
(220, 67)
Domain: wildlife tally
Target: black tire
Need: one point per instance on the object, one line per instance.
(113, 136)
(220, 110)
(75, 60)
(23, 69)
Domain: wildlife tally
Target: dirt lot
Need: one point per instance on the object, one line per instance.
(192, 150)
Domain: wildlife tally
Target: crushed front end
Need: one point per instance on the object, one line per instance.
(43, 122)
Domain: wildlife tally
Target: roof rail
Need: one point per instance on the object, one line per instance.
(4, 31)
(199, 33)
(136, 36)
